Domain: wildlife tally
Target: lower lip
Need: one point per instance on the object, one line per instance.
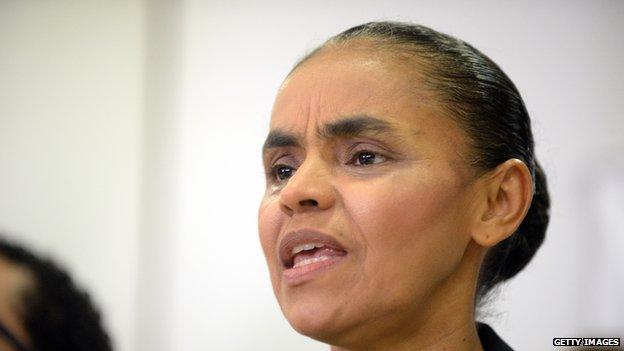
(300, 275)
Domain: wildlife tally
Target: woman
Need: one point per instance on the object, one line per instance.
(401, 188)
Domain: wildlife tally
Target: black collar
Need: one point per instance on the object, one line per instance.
(490, 340)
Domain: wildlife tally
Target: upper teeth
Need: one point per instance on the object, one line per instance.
(297, 249)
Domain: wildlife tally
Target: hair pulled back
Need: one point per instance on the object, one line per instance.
(486, 103)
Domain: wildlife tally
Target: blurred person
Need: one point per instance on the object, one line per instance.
(41, 309)
(401, 188)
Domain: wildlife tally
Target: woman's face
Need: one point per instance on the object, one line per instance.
(368, 198)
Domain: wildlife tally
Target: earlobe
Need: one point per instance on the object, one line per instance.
(506, 198)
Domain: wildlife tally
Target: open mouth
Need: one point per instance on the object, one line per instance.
(304, 253)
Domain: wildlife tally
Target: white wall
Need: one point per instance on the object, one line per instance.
(566, 59)
(70, 142)
(130, 140)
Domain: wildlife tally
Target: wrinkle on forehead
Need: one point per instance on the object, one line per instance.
(341, 85)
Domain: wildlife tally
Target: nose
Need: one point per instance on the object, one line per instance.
(309, 189)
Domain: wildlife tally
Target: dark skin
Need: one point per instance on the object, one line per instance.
(14, 280)
(386, 169)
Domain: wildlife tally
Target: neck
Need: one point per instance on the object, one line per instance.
(445, 321)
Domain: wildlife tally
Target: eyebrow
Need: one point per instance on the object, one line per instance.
(343, 128)
(278, 138)
(354, 126)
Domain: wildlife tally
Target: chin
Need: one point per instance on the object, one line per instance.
(314, 321)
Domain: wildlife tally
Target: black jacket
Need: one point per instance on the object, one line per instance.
(489, 339)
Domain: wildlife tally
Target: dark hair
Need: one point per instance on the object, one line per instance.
(486, 103)
(57, 314)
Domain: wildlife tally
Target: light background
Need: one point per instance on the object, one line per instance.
(130, 135)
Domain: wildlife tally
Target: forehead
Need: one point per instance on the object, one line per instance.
(347, 82)
(14, 279)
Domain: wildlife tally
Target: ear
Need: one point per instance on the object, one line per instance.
(505, 198)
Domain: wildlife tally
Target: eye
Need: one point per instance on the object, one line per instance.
(282, 172)
(364, 158)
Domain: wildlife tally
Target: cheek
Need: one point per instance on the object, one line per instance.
(410, 227)
(269, 224)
